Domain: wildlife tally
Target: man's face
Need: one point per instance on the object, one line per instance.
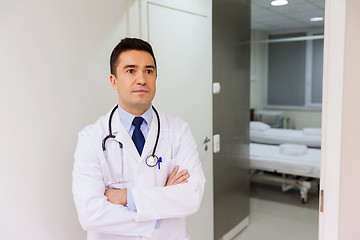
(135, 81)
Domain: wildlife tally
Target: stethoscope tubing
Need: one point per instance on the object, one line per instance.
(121, 145)
(158, 132)
(110, 131)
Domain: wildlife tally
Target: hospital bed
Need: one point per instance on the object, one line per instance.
(262, 133)
(294, 165)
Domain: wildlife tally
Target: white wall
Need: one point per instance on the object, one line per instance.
(349, 210)
(340, 141)
(54, 80)
(54, 68)
(298, 118)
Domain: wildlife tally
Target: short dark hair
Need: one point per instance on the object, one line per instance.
(129, 44)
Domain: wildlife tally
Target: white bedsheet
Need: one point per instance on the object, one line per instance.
(280, 136)
(268, 158)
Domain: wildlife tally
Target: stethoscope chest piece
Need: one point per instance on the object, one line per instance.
(152, 160)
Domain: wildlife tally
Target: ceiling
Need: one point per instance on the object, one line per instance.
(293, 16)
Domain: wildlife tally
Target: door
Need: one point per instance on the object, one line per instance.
(182, 47)
(231, 115)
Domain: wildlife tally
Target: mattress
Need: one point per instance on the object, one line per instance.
(279, 136)
(268, 158)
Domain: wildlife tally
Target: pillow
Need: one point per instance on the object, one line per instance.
(259, 126)
(293, 149)
(312, 131)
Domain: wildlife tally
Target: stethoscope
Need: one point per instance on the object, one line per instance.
(151, 160)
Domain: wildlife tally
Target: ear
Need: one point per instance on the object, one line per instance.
(113, 82)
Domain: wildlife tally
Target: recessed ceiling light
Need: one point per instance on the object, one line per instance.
(277, 3)
(316, 19)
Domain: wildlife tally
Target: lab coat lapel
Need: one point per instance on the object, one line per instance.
(122, 135)
(151, 137)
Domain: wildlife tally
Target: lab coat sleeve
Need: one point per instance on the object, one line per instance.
(177, 200)
(95, 212)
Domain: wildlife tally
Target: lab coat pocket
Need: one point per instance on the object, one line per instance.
(156, 176)
(163, 170)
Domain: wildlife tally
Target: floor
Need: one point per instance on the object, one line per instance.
(280, 215)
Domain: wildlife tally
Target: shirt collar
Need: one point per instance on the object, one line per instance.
(126, 118)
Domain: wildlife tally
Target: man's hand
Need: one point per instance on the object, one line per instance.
(177, 177)
(119, 196)
(116, 196)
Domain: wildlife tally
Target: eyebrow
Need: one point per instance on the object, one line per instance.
(130, 66)
(134, 66)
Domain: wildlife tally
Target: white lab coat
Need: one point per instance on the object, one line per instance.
(106, 221)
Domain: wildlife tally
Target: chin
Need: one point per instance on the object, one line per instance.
(142, 104)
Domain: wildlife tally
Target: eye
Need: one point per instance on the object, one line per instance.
(130, 70)
(149, 71)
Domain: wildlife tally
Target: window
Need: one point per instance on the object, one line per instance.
(295, 70)
(317, 71)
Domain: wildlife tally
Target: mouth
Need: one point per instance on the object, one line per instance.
(140, 91)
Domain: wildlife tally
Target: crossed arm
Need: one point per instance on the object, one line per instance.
(92, 202)
(119, 196)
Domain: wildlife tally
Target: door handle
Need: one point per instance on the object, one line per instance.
(206, 140)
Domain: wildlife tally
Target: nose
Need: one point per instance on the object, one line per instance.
(140, 78)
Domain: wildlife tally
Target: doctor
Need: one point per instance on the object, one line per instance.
(137, 172)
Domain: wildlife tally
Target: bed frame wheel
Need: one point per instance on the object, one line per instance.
(304, 189)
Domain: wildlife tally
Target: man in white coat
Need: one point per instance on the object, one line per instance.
(118, 193)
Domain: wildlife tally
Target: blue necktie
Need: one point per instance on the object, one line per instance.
(138, 137)
(139, 140)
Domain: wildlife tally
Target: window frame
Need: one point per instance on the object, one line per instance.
(308, 105)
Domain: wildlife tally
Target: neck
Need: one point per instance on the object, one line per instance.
(136, 110)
